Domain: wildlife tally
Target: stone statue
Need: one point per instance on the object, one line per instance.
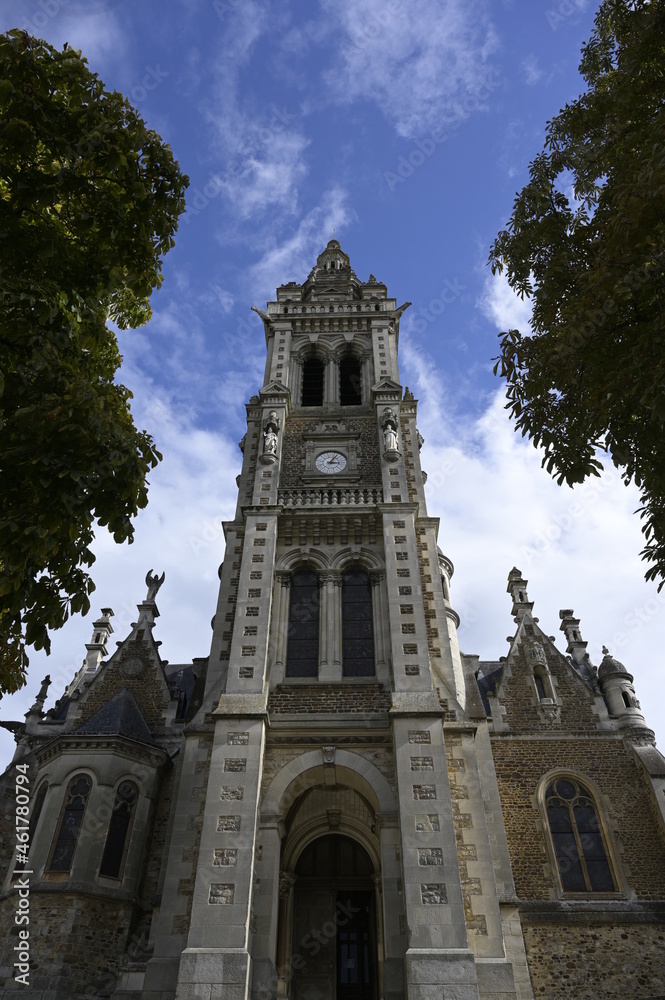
(388, 423)
(153, 584)
(270, 442)
(389, 438)
(271, 426)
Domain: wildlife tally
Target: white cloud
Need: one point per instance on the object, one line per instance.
(418, 67)
(269, 176)
(191, 492)
(261, 149)
(292, 258)
(531, 70)
(578, 548)
(500, 304)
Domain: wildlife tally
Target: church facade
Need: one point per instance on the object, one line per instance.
(336, 803)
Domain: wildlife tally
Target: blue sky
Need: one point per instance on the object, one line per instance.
(404, 128)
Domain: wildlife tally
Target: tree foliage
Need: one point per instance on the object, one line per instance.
(586, 243)
(89, 203)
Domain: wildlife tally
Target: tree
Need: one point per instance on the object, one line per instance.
(89, 202)
(586, 243)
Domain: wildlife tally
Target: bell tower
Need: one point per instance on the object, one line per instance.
(328, 863)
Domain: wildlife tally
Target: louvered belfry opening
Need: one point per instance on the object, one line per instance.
(312, 382)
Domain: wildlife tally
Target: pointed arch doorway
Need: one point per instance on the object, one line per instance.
(334, 938)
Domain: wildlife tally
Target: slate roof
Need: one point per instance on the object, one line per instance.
(119, 716)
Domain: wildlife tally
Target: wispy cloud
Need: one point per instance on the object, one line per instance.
(417, 67)
(292, 258)
(500, 304)
(262, 148)
(532, 72)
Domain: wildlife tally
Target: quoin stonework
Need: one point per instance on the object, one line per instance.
(337, 803)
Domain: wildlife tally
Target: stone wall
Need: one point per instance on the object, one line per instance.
(339, 699)
(596, 962)
(76, 944)
(608, 762)
(517, 692)
(149, 688)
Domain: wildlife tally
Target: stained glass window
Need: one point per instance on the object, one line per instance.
(120, 824)
(302, 651)
(579, 845)
(76, 800)
(357, 625)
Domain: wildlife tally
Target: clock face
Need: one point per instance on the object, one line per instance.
(331, 462)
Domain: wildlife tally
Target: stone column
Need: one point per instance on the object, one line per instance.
(266, 907)
(438, 960)
(280, 626)
(379, 617)
(330, 662)
(331, 386)
(217, 956)
(295, 380)
(336, 624)
(392, 903)
(366, 377)
(286, 882)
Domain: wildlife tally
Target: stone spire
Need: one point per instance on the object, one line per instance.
(570, 626)
(517, 590)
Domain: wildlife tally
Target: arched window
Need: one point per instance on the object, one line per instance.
(540, 686)
(577, 838)
(71, 820)
(312, 382)
(302, 650)
(36, 810)
(350, 386)
(120, 825)
(357, 625)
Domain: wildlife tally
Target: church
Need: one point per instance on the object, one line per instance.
(337, 803)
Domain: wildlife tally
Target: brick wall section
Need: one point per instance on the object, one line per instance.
(520, 764)
(517, 693)
(149, 689)
(76, 942)
(596, 962)
(341, 699)
(293, 449)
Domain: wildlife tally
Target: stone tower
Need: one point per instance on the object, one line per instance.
(335, 803)
(328, 862)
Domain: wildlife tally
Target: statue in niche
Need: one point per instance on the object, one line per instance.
(390, 439)
(537, 653)
(271, 426)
